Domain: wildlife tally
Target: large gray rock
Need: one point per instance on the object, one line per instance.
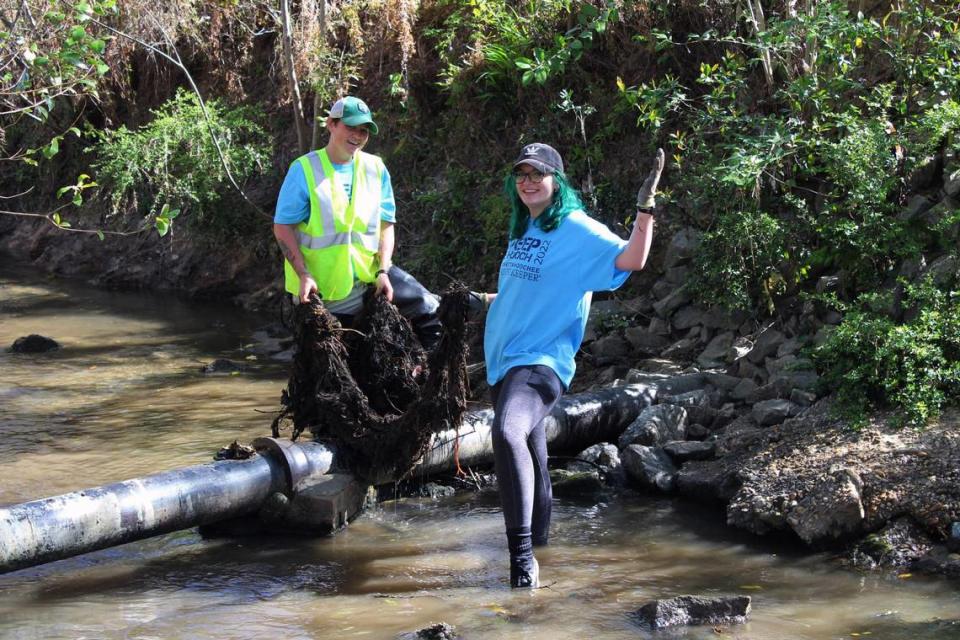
(746, 369)
(661, 289)
(916, 206)
(721, 381)
(766, 345)
(676, 275)
(693, 610)
(776, 365)
(34, 343)
(797, 378)
(649, 467)
(951, 185)
(644, 342)
(802, 398)
(768, 412)
(832, 511)
(656, 425)
(574, 484)
(790, 347)
(659, 326)
(683, 451)
(321, 505)
(706, 481)
(682, 247)
(671, 385)
(603, 456)
(899, 544)
(687, 317)
(676, 299)
(683, 349)
(783, 385)
(943, 270)
(222, 365)
(438, 631)
(744, 388)
(715, 354)
(610, 346)
(694, 398)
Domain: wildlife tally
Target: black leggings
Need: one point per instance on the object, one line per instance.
(521, 400)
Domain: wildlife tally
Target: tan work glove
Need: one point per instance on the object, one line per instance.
(645, 196)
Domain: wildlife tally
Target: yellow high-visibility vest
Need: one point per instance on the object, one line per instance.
(341, 238)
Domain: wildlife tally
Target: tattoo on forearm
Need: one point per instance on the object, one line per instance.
(289, 254)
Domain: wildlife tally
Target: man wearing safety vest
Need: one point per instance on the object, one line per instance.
(335, 225)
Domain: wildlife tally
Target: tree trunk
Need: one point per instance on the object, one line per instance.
(298, 119)
(319, 120)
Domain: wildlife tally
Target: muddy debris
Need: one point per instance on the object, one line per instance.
(235, 451)
(372, 391)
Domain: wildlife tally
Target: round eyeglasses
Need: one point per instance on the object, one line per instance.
(534, 176)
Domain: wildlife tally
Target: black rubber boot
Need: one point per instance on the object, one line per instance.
(524, 570)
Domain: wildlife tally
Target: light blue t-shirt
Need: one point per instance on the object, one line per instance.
(543, 296)
(293, 203)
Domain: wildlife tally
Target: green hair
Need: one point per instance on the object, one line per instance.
(565, 200)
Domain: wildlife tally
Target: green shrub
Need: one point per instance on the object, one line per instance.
(873, 362)
(817, 118)
(173, 161)
(738, 262)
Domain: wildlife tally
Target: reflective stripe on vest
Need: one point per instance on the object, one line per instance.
(340, 239)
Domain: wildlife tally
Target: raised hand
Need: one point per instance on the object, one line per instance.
(648, 190)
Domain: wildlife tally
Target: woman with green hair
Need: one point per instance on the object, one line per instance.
(556, 257)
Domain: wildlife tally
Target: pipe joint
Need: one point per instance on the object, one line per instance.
(296, 464)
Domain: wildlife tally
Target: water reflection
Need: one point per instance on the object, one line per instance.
(125, 397)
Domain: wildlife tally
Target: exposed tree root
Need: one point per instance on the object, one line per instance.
(372, 391)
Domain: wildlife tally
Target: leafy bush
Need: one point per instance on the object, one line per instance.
(871, 361)
(738, 262)
(823, 108)
(173, 160)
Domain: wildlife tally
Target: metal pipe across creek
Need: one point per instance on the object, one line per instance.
(50, 529)
(54, 528)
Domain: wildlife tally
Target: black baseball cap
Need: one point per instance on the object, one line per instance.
(541, 156)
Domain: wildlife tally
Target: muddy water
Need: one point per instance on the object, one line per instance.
(125, 397)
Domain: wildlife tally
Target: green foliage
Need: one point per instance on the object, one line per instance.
(462, 236)
(873, 362)
(173, 162)
(57, 53)
(739, 260)
(815, 118)
(519, 45)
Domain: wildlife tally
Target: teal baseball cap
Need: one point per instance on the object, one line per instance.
(354, 112)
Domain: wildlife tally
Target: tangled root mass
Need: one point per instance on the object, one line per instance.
(372, 391)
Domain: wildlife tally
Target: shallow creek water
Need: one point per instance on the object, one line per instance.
(124, 397)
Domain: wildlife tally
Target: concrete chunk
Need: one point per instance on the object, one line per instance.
(694, 610)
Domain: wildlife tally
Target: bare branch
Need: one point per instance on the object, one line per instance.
(298, 118)
(49, 218)
(18, 195)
